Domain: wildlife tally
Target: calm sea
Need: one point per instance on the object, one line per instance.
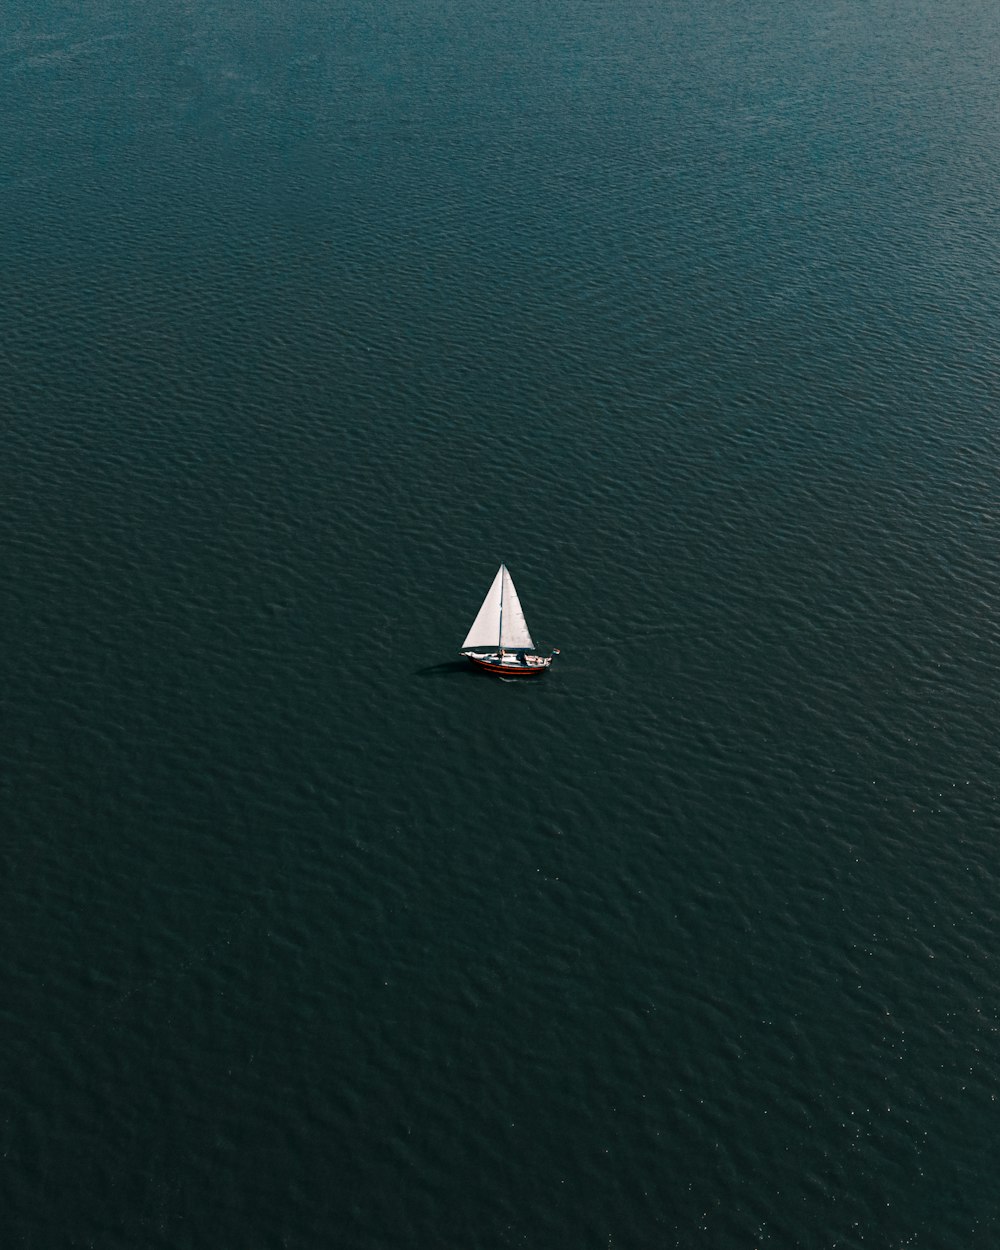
(312, 313)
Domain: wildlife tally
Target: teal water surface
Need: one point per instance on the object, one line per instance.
(313, 314)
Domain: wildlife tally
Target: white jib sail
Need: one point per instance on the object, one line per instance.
(500, 621)
(485, 631)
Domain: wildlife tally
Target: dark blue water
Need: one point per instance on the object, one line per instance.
(312, 314)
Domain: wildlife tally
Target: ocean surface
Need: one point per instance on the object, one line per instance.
(314, 313)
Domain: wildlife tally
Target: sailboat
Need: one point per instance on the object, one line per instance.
(499, 641)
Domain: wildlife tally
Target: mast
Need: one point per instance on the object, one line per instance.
(503, 569)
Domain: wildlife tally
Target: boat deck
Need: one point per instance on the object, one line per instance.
(515, 663)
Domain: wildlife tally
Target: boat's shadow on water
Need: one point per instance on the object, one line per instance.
(451, 668)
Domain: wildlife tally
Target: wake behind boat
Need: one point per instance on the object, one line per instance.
(499, 641)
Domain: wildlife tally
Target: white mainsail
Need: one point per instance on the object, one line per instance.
(513, 626)
(500, 621)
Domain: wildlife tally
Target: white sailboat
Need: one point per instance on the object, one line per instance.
(499, 641)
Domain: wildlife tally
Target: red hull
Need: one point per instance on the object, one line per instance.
(509, 670)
